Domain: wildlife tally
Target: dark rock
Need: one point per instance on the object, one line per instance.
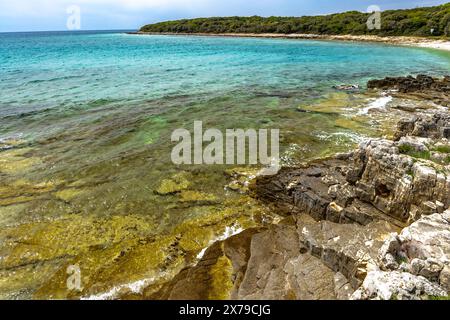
(200, 281)
(434, 89)
(435, 127)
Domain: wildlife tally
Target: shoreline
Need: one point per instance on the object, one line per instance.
(394, 40)
(338, 223)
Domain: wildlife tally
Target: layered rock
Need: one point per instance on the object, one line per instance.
(370, 224)
(422, 249)
(218, 272)
(255, 264)
(396, 181)
(437, 127)
(422, 86)
(280, 267)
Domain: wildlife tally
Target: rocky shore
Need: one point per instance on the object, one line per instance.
(370, 224)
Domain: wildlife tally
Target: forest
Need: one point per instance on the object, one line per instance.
(421, 22)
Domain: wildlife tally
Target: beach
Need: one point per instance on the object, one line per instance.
(438, 44)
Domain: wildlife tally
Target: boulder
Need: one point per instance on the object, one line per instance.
(421, 249)
(395, 285)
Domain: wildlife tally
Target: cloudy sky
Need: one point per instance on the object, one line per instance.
(34, 15)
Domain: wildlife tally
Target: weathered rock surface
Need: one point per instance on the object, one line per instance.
(342, 234)
(422, 249)
(358, 198)
(436, 126)
(380, 285)
(280, 267)
(325, 261)
(256, 264)
(411, 84)
(423, 86)
(221, 269)
(349, 249)
(397, 181)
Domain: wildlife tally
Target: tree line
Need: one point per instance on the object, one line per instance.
(422, 22)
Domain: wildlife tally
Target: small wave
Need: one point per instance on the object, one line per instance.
(339, 136)
(378, 103)
(10, 142)
(135, 287)
(53, 79)
(174, 69)
(228, 233)
(100, 102)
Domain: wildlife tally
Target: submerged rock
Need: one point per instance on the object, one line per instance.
(347, 87)
(221, 269)
(176, 184)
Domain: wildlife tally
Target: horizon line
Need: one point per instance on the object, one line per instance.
(65, 30)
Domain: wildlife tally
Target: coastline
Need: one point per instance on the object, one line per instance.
(339, 230)
(404, 41)
(121, 245)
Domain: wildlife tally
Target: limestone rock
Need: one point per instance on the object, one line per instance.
(281, 268)
(422, 86)
(349, 249)
(220, 269)
(381, 285)
(423, 248)
(436, 126)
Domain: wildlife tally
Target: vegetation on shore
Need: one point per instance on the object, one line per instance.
(426, 21)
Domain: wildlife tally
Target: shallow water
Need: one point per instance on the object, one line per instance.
(85, 125)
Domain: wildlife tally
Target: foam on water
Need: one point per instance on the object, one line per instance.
(228, 233)
(378, 103)
(95, 112)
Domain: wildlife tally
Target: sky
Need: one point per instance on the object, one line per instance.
(46, 15)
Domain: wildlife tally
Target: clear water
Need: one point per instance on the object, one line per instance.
(50, 70)
(91, 115)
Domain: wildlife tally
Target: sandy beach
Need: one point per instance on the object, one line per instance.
(406, 41)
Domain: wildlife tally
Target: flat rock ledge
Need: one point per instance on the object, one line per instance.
(370, 224)
(422, 86)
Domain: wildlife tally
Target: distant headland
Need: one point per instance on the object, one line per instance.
(424, 27)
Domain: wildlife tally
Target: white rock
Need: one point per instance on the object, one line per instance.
(381, 285)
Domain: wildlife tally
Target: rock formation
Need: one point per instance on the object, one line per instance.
(437, 90)
(370, 224)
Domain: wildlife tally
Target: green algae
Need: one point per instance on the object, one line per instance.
(68, 194)
(197, 197)
(70, 236)
(221, 274)
(176, 184)
(16, 160)
(120, 210)
(115, 250)
(151, 130)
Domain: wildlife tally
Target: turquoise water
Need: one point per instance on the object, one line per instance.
(85, 125)
(50, 70)
(44, 71)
